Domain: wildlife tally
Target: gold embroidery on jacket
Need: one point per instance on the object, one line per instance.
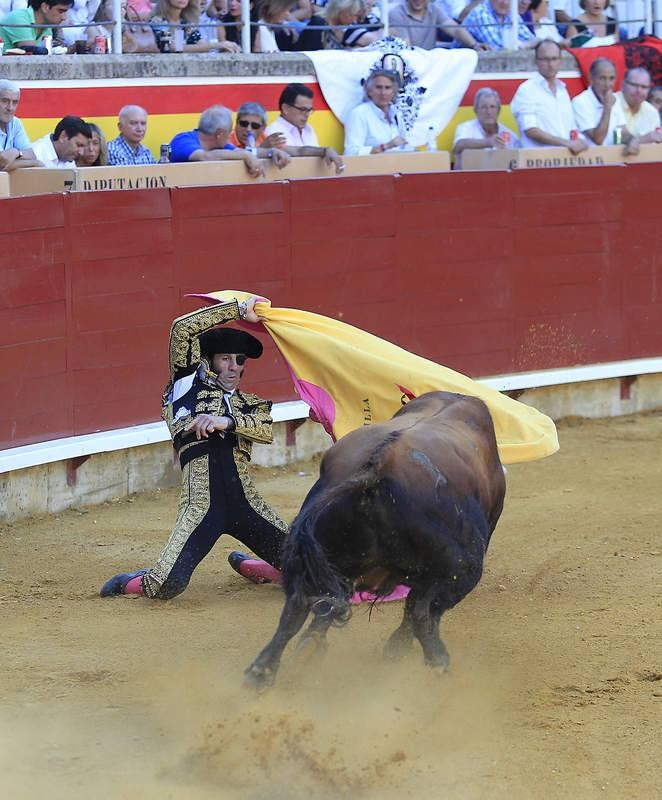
(255, 499)
(252, 416)
(193, 505)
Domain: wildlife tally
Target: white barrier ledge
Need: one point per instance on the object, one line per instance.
(155, 432)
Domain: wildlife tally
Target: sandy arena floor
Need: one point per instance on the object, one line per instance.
(555, 689)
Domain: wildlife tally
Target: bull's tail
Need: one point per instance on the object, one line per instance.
(308, 575)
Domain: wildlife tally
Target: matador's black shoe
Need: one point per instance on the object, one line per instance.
(253, 569)
(117, 584)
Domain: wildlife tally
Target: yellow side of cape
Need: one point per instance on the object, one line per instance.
(368, 379)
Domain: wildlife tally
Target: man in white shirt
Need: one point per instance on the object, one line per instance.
(641, 117)
(485, 131)
(296, 106)
(542, 105)
(59, 149)
(13, 138)
(599, 116)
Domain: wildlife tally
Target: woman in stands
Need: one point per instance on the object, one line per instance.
(185, 36)
(346, 13)
(95, 153)
(232, 24)
(593, 24)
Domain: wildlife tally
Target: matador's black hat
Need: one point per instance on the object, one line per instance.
(229, 340)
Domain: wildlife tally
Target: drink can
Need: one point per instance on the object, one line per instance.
(574, 135)
(99, 45)
(47, 42)
(164, 156)
(505, 135)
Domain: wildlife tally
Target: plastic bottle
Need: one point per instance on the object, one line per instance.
(2, 46)
(431, 143)
(250, 143)
(165, 154)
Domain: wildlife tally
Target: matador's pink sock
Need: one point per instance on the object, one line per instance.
(134, 586)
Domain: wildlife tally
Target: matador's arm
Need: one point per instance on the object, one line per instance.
(184, 347)
(252, 418)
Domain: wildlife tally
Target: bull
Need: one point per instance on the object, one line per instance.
(414, 501)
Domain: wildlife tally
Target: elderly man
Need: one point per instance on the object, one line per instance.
(598, 114)
(213, 425)
(485, 131)
(642, 119)
(417, 22)
(542, 105)
(33, 23)
(126, 149)
(13, 138)
(490, 23)
(252, 118)
(60, 149)
(209, 142)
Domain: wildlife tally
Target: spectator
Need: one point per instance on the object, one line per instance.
(81, 13)
(187, 17)
(210, 19)
(542, 106)
(593, 22)
(655, 99)
(140, 10)
(95, 153)
(373, 126)
(13, 138)
(232, 24)
(302, 29)
(296, 106)
(252, 116)
(136, 38)
(34, 21)
(541, 25)
(490, 23)
(485, 131)
(642, 119)
(209, 142)
(272, 12)
(599, 116)
(126, 149)
(346, 13)
(60, 149)
(417, 22)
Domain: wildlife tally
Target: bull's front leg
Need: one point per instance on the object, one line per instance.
(262, 672)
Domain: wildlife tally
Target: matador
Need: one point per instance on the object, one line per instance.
(213, 426)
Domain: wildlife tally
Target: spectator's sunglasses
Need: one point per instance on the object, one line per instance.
(244, 123)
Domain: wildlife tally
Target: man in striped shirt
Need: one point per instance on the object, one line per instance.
(491, 23)
(127, 150)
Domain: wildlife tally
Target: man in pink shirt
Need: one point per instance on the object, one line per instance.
(296, 106)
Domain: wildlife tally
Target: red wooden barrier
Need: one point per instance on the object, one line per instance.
(485, 272)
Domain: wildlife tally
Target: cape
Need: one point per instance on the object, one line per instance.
(646, 51)
(351, 378)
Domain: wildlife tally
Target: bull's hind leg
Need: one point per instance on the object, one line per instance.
(400, 641)
(426, 615)
(262, 672)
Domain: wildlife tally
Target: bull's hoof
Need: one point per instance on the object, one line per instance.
(311, 646)
(397, 647)
(259, 678)
(440, 666)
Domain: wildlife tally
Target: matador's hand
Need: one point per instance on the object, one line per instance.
(204, 424)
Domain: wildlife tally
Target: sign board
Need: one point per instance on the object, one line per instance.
(544, 157)
(489, 158)
(41, 180)
(4, 184)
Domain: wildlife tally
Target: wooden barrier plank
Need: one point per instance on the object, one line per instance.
(5, 189)
(489, 159)
(40, 180)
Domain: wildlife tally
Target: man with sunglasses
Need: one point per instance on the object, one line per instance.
(641, 117)
(252, 118)
(213, 425)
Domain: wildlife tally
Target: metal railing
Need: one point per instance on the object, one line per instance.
(651, 23)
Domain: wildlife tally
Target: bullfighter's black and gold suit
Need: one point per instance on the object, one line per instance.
(218, 495)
